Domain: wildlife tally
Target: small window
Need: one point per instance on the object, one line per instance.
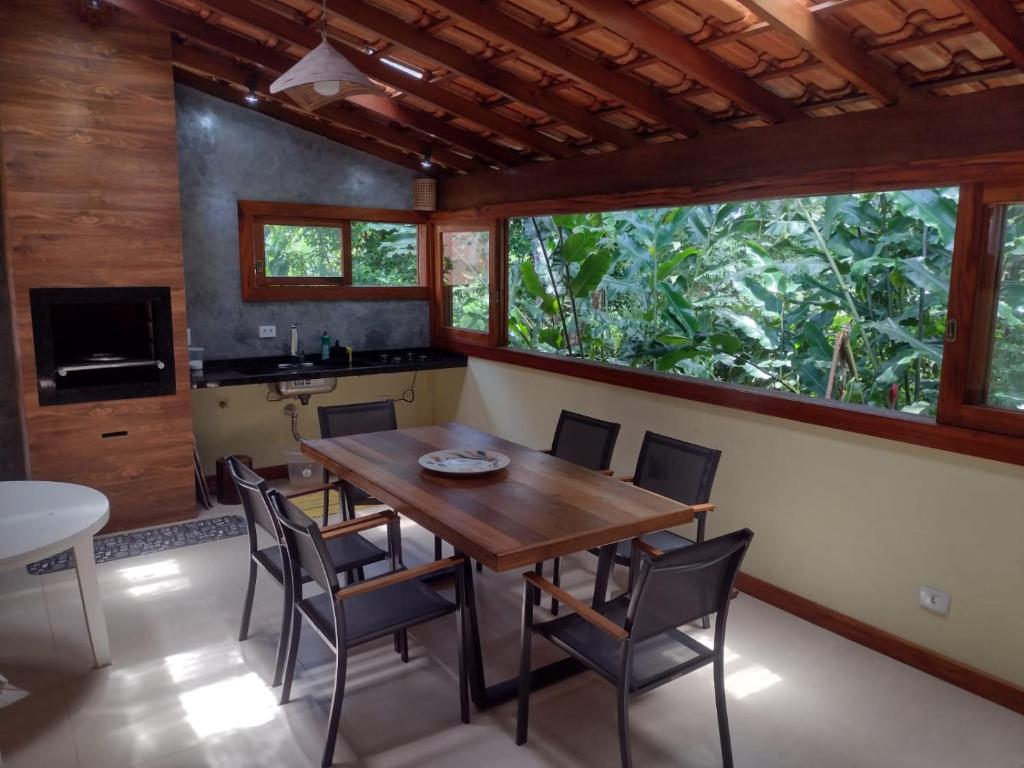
(294, 252)
(467, 266)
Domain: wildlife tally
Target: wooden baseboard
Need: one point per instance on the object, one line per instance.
(977, 682)
(273, 472)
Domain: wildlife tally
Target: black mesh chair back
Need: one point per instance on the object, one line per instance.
(356, 419)
(252, 489)
(683, 586)
(306, 549)
(676, 469)
(584, 440)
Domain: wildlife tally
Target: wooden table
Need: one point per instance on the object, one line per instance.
(539, 508)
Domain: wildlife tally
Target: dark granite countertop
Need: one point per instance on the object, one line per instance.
(266, 370)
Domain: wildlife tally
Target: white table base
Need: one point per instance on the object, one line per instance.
(89, 587)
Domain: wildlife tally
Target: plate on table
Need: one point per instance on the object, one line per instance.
(464, 461)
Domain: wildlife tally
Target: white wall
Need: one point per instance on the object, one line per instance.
(856, 523)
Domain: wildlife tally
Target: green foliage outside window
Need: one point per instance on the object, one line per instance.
(301, 251)
(384, 254)
(751, 293)
(1006, 382)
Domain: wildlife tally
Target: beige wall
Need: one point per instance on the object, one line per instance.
(856, 523)
(230, 420)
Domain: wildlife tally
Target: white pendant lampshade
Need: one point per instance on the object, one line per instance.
(321, 76)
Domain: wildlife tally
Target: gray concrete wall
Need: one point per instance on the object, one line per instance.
(12, 444)
(228, 153)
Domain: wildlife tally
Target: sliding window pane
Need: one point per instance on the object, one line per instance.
(384, 253)
(1006, 366)
(302, 251)
(465, 258)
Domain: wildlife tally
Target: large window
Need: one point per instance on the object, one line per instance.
(291, 251)
(842, 297)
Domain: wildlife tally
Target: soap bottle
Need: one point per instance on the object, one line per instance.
(325, 347)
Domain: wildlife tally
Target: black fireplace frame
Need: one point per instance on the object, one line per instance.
(42, 302)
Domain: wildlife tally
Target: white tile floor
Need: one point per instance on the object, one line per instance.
(183, 691)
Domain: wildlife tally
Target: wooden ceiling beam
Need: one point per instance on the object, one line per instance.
(213, 65)
(458, 60)
(833, 47)
(1000, 22)
(678, 51)
(546, 48)
(981, 136)
(302, 120)
(371, 66)
(276, 61)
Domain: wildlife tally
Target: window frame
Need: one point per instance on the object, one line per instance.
(257, 287)
(966, 428)
(496, 333)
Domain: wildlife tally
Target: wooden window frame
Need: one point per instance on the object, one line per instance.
(253, 214)
(972, 303)
(496, 333)
(960, 427)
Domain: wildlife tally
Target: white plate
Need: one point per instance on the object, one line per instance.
(464, 461)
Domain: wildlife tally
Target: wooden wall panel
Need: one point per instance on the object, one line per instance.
(89, 152)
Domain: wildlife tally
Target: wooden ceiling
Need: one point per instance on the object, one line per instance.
(497, 84)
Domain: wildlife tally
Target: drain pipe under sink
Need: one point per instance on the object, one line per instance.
(292, 412)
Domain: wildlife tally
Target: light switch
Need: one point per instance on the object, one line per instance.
(268, 331)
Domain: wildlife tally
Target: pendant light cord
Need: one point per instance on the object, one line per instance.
(323, 20)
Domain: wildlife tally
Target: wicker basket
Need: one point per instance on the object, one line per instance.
(424, 194)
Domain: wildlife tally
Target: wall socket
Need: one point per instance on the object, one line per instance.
(268, 331)
(934, 600)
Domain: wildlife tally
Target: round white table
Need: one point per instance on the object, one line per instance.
(39, 519)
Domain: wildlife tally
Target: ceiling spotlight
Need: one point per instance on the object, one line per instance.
(251, 98)
(94, 5)
(426, 162)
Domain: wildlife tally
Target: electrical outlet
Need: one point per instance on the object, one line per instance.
(268, 331)
(934, 600)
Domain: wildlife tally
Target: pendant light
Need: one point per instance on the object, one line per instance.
(323, 75)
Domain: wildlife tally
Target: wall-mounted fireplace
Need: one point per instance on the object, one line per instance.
(102, 343)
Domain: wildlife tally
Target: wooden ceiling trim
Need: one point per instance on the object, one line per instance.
(457, 59)
(276, 61)
(1001, 23)
(299, 119)
(981, 137)
(677, 51)
(207, 63)
(565, 60)
(305, 37)
(831, 45)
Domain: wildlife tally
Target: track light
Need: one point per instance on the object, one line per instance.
(251, 98)
(426, 162)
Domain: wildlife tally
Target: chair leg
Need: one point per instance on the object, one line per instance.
(282, 641)
(460, 601)
(539, 570)
(341, 662)
(556, 579)
(327, 496)
(479, 567)
(523, 706)
(243, 633)
(622, 694)
(702, 521)
(293, 650)
(437, 548)
(360, 573)
(723, 716)
(404, 645)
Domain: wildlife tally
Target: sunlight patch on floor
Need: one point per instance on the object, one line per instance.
(750, 681)
(243, 701)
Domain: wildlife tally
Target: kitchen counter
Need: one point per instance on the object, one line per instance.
(267, 370)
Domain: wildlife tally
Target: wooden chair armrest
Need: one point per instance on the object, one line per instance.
(646, 548)
(359, 524)
(584, 611)
(698, 508)
(298, 492)
(397, 577)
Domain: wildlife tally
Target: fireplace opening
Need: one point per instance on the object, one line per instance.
(102, 343)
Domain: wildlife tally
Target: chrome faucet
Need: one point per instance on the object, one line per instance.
(295, 346)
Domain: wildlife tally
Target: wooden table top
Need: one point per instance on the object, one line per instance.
(538, 508)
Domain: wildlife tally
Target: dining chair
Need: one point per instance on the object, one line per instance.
(585, 441)
(347, 555)
(353, 419)
(345, 618)
(634, 641)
